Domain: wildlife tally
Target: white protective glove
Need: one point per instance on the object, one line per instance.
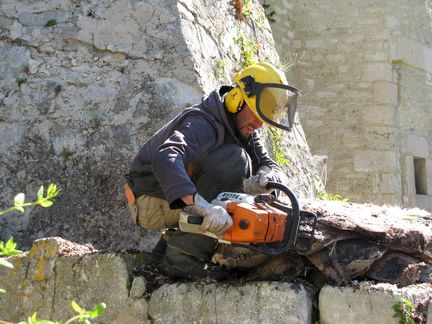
(216, 219)
(257, 184)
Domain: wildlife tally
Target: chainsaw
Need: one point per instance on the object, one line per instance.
(261, 223)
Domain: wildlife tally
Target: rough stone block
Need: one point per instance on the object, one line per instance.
(261, 302)
(379, 115)
(428, 59)
(378, 72)
(424, 201)
(91, 280)
(411, 52)
(429, 175)
(374, 161)
(138, 287)
(386, 93)
(387, 183)
(135, 313)
(10, 135)
(366, 304)
(315, 44)
(417, 146)
(429, 314)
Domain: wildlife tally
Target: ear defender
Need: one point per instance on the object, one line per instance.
(234, 100)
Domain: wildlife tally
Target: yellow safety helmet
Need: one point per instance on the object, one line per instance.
(266, 92)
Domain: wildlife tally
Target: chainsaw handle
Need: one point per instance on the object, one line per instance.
(196, 220)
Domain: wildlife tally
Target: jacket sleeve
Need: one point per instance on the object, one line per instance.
(192, 138)
(260, 157)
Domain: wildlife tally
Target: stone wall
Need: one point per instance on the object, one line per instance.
(85, 83)
(56, 271)
(365, 72)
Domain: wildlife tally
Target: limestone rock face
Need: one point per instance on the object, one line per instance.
(85, 83)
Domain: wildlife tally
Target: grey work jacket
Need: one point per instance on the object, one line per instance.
(160, 167)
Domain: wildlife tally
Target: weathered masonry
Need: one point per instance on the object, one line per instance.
(365, 72)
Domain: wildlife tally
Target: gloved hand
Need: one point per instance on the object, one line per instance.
(216, 219)
(257, 183)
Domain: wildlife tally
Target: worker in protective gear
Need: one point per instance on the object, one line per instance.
(207, 149)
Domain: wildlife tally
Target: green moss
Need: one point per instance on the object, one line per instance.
(66, 154)
(51, 22)
(21, 80)
(19, 42)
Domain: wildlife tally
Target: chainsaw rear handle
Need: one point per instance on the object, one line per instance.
(195, 220)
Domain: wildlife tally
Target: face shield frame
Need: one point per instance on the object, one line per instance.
(253, 88)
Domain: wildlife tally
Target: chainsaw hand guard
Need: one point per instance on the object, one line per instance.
(257, 184)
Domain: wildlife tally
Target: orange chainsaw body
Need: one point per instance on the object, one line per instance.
(255, 223)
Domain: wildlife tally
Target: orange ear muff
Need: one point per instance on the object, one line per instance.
(234, 100)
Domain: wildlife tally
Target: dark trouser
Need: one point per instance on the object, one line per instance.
(187, 254)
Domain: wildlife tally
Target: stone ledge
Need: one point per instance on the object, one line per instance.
(56, 271)
(256, 302)
(366, 303)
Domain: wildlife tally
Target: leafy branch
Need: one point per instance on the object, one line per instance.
(83, 315)
(42, 200)
(9, 249)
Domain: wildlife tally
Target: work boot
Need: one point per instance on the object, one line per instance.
(180, 265)
(158, 251)
(188, 256)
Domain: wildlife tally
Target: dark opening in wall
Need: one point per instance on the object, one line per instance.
(420, 176)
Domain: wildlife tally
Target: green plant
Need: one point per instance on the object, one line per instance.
(95, 118)
(294, 59)
(269, 13)
(51, 22)
(246, 9)
(66, 154)
(21, 80)
(248, 50)
(330, 196)
(278, 152)
(220, 68)
(403, 310)
(83, 315)
(9, 249)
(19, 41)
(42, 200)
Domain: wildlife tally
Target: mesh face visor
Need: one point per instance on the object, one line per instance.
(276, 104)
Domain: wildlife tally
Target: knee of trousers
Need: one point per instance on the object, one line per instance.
(223, 170)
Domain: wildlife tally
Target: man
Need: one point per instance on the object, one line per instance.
(207, 149)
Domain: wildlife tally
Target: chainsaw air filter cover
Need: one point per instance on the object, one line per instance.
(258, 223)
